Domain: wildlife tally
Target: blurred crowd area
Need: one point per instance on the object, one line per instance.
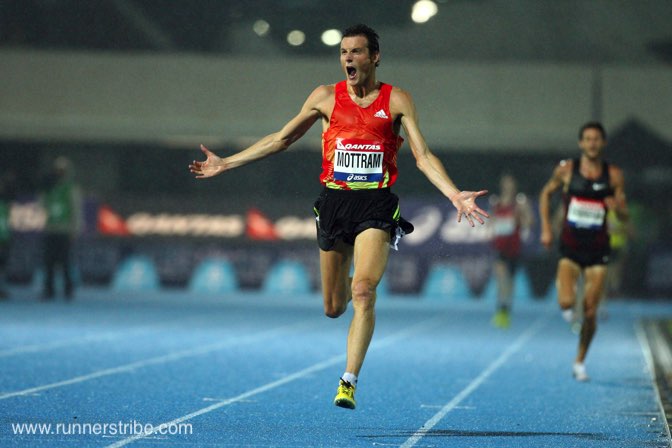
(140, 200)
(90, 81)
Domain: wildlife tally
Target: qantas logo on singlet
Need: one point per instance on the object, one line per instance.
(356, 146)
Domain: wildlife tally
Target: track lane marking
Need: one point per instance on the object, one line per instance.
(471, 387)
(170, 357)
(423, 325)
(665, 358)
(93, 337)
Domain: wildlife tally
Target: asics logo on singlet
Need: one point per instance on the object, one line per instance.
(381, 114)
(355, 146)
(599, 187)
(355, 177)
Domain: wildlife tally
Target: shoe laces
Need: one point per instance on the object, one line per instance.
(346, 386)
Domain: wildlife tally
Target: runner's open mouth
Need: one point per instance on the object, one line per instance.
(352, 71)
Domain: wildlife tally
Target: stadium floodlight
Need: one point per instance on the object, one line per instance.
(261, 27)
(296, 38)
(331, 37)
(423, 10)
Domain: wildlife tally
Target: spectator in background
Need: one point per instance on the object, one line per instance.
(62, 202)
(512, 218)
(7, 183)
(620, 234)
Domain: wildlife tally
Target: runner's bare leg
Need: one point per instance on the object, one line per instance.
(567, 277)
(371, 253)
(594, 287)
(335, 273)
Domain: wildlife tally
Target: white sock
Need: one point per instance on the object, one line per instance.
(350, 378)
(579, 371)
(568, 315)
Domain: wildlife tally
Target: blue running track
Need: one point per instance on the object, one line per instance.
(258, 371)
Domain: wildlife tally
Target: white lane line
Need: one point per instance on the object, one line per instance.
(146, 327)
(424, 325)
(659, 346)
(496, 364)
(107, 336)
(60, 343)
(663, 354)
(170, 357)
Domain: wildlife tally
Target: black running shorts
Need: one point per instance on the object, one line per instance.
(585, 258)
(511, 262)
(344, 214)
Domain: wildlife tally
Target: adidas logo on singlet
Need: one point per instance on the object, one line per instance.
(381, 114)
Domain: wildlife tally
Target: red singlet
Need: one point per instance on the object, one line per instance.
(359, 149)
(507, 230)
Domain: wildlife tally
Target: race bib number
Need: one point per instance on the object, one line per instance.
(505, 225)
(586, 213)
(357, 160)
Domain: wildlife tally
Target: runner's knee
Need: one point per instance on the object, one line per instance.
(334, 305)
(591, 302)
(363, 293)
(334, 311)
(566, 296)
(589, 311)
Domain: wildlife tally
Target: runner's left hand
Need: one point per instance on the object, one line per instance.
(465, 203)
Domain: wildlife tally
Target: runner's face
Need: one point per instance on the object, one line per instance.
(592, 143)
(356, 61)
(507, 185)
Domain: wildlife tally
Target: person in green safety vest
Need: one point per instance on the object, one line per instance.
(62, 203)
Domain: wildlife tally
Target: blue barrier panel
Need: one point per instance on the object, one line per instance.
(490, 291)
(214, 276)
(136, 273)
(551, 292)
(287, 277)
(446, 282)
(522, 287)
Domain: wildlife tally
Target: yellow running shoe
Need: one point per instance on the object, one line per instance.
(501, 319)
(345, 396)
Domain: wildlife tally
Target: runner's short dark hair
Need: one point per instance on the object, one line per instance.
(593, 125)
(366, 31)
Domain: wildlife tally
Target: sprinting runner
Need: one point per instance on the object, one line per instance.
(358, 217)
(590, 188)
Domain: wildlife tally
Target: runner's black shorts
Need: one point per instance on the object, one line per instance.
(510, 262)
(344, 214)
(586, 258)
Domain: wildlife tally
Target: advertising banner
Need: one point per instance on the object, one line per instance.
(253, 238)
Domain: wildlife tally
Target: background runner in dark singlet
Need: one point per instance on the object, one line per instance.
(590, 187)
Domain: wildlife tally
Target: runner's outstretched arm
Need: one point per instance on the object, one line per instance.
(431, 166)
(269, 145)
